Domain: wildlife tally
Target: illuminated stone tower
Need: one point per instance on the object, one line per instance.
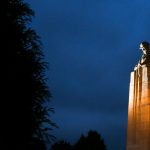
(138, 137)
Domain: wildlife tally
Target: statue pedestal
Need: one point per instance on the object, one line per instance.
(138, 137)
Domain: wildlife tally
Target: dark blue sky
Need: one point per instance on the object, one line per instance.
(91, 47)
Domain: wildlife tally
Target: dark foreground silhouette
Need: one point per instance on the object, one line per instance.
(23, 111)
(93, 141)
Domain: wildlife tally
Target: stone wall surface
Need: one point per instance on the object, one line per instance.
(138, 136)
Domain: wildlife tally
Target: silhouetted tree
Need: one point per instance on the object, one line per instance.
(25, 111)
(93, 141)
(37, 144)
(61, 145)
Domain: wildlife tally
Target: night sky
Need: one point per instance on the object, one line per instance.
(91, 47)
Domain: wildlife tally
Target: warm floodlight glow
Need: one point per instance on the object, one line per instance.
(139, 110)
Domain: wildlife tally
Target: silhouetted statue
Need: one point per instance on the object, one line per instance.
(145, 59)
(145, 47)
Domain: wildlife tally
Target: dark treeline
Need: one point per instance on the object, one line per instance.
(25, 119)
(93, 141)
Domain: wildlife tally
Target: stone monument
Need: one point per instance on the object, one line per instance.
(138, 136)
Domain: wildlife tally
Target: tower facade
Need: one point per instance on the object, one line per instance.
(138, 136)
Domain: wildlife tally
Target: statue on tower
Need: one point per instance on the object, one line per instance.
(145, 60)
(138, 137)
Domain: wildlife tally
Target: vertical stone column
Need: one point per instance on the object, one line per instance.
(138, 136)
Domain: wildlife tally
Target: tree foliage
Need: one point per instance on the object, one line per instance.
(92, 141)
(61, 145)
(25, 113)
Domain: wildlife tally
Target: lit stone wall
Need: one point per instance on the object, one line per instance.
(138, 137)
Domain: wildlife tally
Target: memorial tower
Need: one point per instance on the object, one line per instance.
(138, 136)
